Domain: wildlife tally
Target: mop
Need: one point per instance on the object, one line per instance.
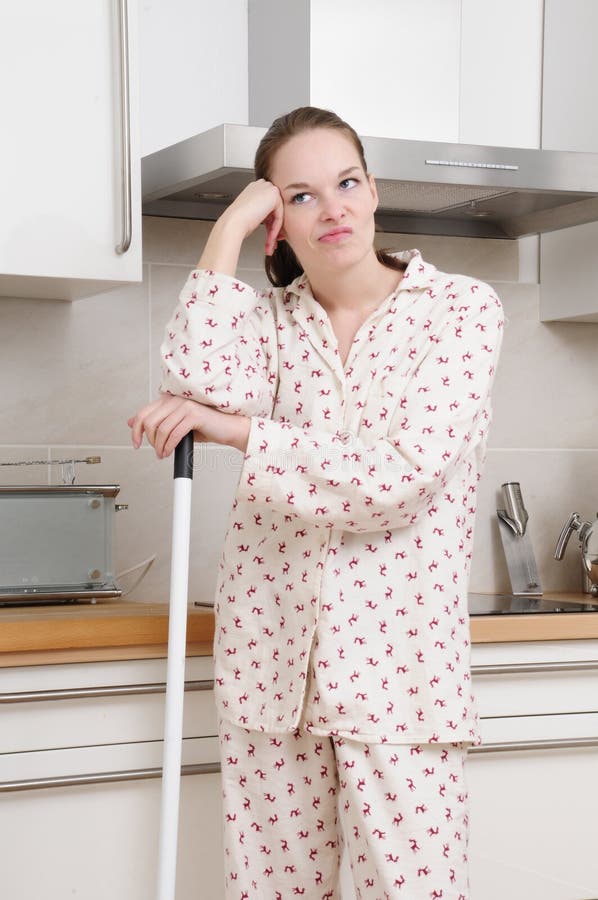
(175, 671)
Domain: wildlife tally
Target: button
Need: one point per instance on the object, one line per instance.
(345, 437)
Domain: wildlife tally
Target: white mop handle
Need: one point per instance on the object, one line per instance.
(175, 672)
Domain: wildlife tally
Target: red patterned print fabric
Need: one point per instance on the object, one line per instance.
(403, 813)
(342, 595)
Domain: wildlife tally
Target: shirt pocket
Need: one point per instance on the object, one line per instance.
(382, 403)
(309, 396)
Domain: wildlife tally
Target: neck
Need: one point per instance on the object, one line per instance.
(355, 289)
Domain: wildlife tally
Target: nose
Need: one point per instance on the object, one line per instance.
(332, 208)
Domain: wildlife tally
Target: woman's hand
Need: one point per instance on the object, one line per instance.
(259, 203)
(167, 420)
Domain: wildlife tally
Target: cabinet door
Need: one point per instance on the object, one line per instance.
(100, 840)
(404, 78)
(532, 810)
(500, 104)
(192, 69)
(568, 266)
(62, 178)
(570, 78)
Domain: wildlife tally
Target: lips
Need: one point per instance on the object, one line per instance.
(335, 234)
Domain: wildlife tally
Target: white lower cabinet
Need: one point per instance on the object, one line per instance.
(533, 831)
(80, 795)
(533, 784)
(93, 733)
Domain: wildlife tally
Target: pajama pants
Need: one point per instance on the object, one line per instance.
(293, 801)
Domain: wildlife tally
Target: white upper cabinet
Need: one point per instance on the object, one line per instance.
(568, 261)
(64, 179)
(501, 72)
(192, 68)
(389, 69)
(569, 119)
(465, 71)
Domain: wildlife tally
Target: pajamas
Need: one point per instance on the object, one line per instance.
(292, 801)
(342, 588)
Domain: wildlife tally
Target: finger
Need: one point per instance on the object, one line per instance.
(273, 228)
(136, 424)
(174, 424)
(176, 436)
(149, 417)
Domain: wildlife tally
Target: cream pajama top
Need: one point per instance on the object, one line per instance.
(341, 601)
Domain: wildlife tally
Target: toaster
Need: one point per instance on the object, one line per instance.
(56, 542)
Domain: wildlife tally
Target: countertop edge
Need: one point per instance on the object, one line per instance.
(120, 630)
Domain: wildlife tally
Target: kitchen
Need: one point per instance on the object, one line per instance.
(104, 347)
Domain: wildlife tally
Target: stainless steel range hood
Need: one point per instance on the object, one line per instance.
(424, 187)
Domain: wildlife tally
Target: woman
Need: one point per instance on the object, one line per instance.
(358, 390)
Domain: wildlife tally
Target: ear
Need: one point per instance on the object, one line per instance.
(372, 184)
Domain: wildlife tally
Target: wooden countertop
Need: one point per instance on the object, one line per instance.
(108, 630)
(121, 629)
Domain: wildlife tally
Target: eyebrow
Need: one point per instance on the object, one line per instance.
(303, 184)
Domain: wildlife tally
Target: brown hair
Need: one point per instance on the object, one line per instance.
(283, 266)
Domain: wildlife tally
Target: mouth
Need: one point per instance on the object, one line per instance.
(335, 234)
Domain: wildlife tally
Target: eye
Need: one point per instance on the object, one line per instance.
(348, 183)
(299, 199)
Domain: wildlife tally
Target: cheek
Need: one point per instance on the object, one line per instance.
(293, 227)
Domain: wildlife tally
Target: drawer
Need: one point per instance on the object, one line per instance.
(510, 733)
(540, 689)
(101, 719)
(530, 678)
(118, 762)
(63, 706)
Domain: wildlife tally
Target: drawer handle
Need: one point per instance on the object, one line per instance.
(531, 668)
(103, 777)
(116, 690)
(555, 744)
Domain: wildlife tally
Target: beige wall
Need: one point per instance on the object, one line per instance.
(72, 374)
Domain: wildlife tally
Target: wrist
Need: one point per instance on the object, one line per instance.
(232, 225)
(221, 252)
(240, 436)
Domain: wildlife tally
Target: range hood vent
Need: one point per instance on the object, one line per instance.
(424, 187)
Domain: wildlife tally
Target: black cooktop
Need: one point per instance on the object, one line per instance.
(506, 604)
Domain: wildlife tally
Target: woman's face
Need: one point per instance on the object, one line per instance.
(328, 199)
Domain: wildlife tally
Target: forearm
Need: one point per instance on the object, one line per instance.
(326, 482)
(219, 346)
(221, 252)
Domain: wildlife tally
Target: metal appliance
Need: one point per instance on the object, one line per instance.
(424, 187)
(56, 543)
(587, 533)
(521, 563)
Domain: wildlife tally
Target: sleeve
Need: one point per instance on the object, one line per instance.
(337, 481)
(219, 346)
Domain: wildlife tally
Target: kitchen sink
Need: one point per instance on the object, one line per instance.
(507, 604)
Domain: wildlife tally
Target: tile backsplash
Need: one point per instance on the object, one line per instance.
(73, 373)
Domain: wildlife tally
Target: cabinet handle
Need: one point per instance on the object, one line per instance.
(530, 668)
(556, 744)
(31, 784)
(125, 127)
(116, 690)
